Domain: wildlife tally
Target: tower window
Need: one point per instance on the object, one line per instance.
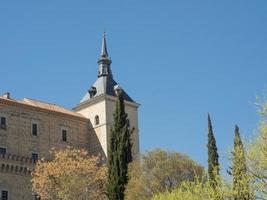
(2, 150)
(96, 120)
(34, 157)
(3, 122)
(4, 195)
(34, 129)
(64, 135)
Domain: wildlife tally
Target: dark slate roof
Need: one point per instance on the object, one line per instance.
(104, 85)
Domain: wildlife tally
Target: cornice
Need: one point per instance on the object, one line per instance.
(100, 98)
(85, 104)
(128, 103)
(33, 108)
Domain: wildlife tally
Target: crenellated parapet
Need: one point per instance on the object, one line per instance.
(16, 158)
(16, 164)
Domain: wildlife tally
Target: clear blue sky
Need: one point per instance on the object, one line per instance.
(179, 59)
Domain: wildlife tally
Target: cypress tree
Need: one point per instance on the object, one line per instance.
(213, 157)
(119, 152)
(241, 187)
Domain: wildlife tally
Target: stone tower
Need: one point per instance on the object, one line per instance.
(98, 104)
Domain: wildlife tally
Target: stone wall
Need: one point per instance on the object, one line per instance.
(18, 138)
(132, 111)
(20, 143)
(104, 107)
(97, 132)
(15, 176)
(82, 132)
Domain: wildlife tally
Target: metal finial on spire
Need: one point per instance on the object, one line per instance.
(104, 51)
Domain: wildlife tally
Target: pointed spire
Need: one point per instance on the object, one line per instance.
(104, 61)
(104, 51)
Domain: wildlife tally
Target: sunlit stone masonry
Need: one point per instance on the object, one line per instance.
(30, 128)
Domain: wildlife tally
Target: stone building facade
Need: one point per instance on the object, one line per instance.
(30, 128)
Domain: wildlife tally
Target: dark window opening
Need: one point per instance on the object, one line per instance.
(37, 197)
(92, 92)
(4, 195)
(64, 135)
(34, 157)
(34, 129)
(3, 123)
(2, 150)
(96, 120)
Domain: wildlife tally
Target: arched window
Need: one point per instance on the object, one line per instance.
(96, 120)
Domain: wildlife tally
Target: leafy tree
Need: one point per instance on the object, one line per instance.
(257, 155)
(241, 188)
(160, 171)
(71, 175)
(136, 188)
(196, 190)
(213, 157)
(119, 152)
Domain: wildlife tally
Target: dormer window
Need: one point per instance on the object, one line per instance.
(92, 92)
(96, 120)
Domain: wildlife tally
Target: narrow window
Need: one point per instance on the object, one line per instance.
(34, 129)
(64, 135)
(4, 195)
(34, 157)
(96, 120)
(2, 150)
(37, 197)
(3, 123)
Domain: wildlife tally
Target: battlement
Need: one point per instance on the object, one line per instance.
(17, 158)
(19, 165)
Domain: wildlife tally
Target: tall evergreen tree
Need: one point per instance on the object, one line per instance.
(213, 157)
(241, 187)
(119, 152)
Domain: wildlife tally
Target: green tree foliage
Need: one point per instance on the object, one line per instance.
(241, 187)
(257, 156)
(213, 157)
(119, 152)
(197, 190)
(160, 171)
